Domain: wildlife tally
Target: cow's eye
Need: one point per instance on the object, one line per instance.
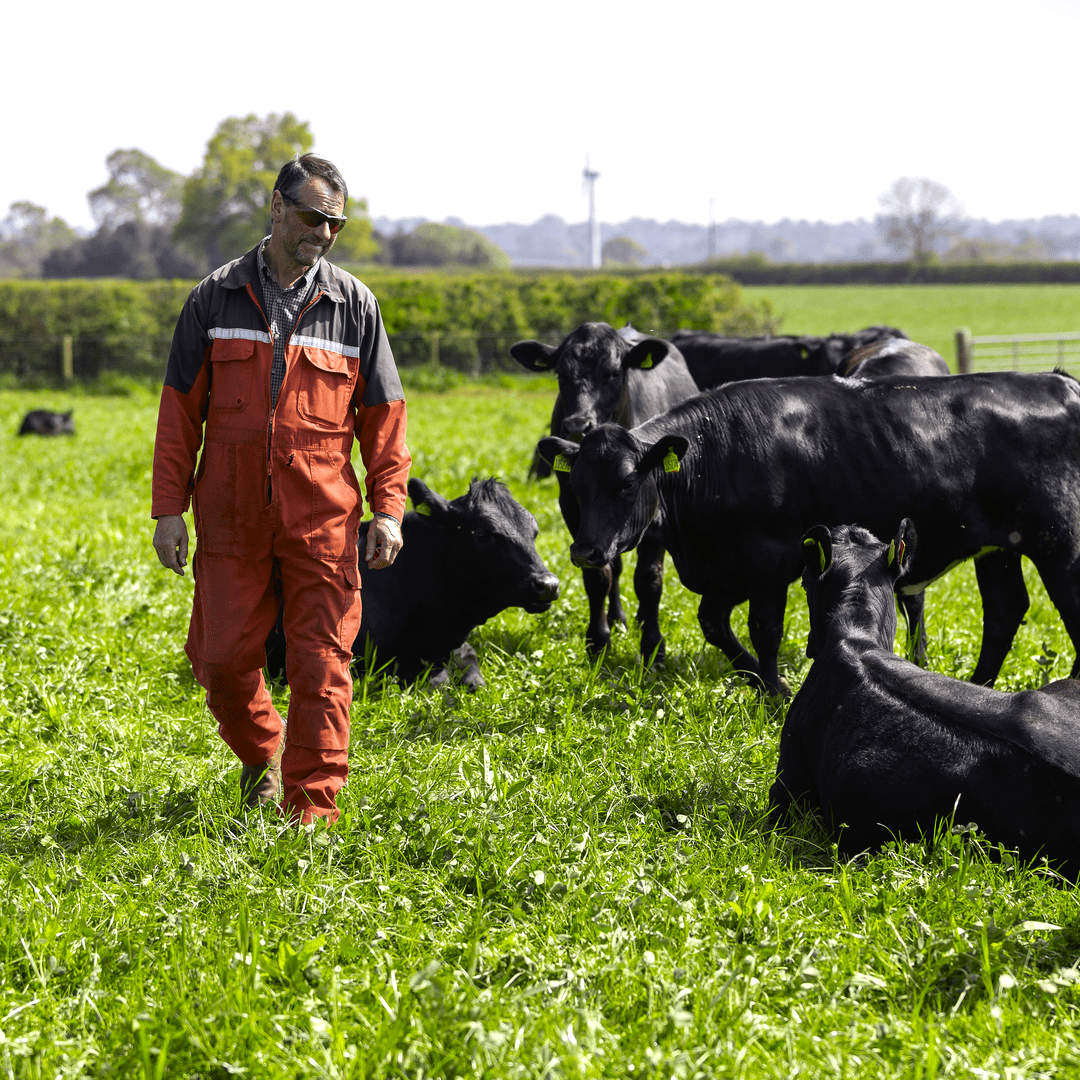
(482, 536)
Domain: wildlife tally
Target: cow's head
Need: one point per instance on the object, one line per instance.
(850, 579)
(591, 366)
(487, 549)
(613, 476)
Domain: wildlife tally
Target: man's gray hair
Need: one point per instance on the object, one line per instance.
(296, 173)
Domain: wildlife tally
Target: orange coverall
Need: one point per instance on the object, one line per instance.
(277, 507)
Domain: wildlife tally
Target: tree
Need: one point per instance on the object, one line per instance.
(27, 235)
(432, 244)
(138, 189)
(226, 203)
(919, 214)
(622, 251)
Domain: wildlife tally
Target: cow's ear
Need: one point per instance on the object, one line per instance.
(425, 501)
(817, 550)
(666, 453)
(901, 550)
(560, 454)
(646, 354)
(534, 355)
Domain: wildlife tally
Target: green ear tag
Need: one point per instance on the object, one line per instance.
(647, 362)
(671, 461)
(424, 509)
(560, 464)
(892, 553)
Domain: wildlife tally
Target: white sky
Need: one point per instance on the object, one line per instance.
(485, 109)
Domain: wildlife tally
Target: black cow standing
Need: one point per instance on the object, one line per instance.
(883, 749)
(44, 422)
(462, 562)
(989, 464)
(895, 356)
(899, 356)
(621, 377)
(716, 359)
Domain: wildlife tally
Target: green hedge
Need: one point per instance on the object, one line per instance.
(758, 270)
(468, 320)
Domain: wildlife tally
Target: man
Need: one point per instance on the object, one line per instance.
(277, 360)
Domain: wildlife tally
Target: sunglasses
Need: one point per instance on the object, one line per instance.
(313, 219)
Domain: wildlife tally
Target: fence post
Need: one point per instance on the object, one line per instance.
(67, 358)
(434, 346)
(963, 350)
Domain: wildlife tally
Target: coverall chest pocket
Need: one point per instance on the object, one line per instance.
(233, 374)
(326, 386)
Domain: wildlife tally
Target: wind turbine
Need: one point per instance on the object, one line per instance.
(589, 177)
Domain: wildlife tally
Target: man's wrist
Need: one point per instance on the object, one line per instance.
(384, 514)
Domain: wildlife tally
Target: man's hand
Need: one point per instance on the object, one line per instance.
(171, 542)
(383, 542)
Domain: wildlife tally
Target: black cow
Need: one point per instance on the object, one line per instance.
(895, 356)
(44, 422)
(989, 464)
(883, 749)
(622, 377)
(462, 563)
(715, 359)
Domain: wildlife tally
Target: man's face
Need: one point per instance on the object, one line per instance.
(303, 244)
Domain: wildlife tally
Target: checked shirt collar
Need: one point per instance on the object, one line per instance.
(283, 306)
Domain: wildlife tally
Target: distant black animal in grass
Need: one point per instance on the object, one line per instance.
(44, 422)
(463, 562)
(621, 377)
(895, 356)
(989, 464)
(715, 359)
(883, 749)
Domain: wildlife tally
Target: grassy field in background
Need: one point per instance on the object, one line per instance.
(563, 875)
(927, 313)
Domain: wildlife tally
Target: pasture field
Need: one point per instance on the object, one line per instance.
(564, 875)
(928, 313)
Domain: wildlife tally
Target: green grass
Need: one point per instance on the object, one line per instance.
(928, 313)
(561, 876)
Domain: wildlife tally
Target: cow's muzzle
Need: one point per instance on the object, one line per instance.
(545, 591)
(584, 556)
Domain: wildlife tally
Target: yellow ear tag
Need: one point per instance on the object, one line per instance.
(647, 362)
(892, 553)
(560, 464)
(820, 550)
(424, 509)
(671, 461)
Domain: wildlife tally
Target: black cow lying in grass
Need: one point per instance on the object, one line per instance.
(989, 464)
(44, 422)
(884, 749)
(622, 377)
(895, 356)
(462, 563)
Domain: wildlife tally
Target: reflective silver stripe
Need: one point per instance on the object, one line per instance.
(329, 346)
(236, 333)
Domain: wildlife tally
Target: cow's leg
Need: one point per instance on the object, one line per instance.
(1005, 602)
(766, 623)
(1063, 587)
(615, 614)
(597, 583)
(648, 587)
(913, 608)
(714, 615)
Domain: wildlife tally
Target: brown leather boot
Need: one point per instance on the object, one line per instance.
(260, 784)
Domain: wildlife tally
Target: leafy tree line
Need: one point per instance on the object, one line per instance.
(152, 222)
